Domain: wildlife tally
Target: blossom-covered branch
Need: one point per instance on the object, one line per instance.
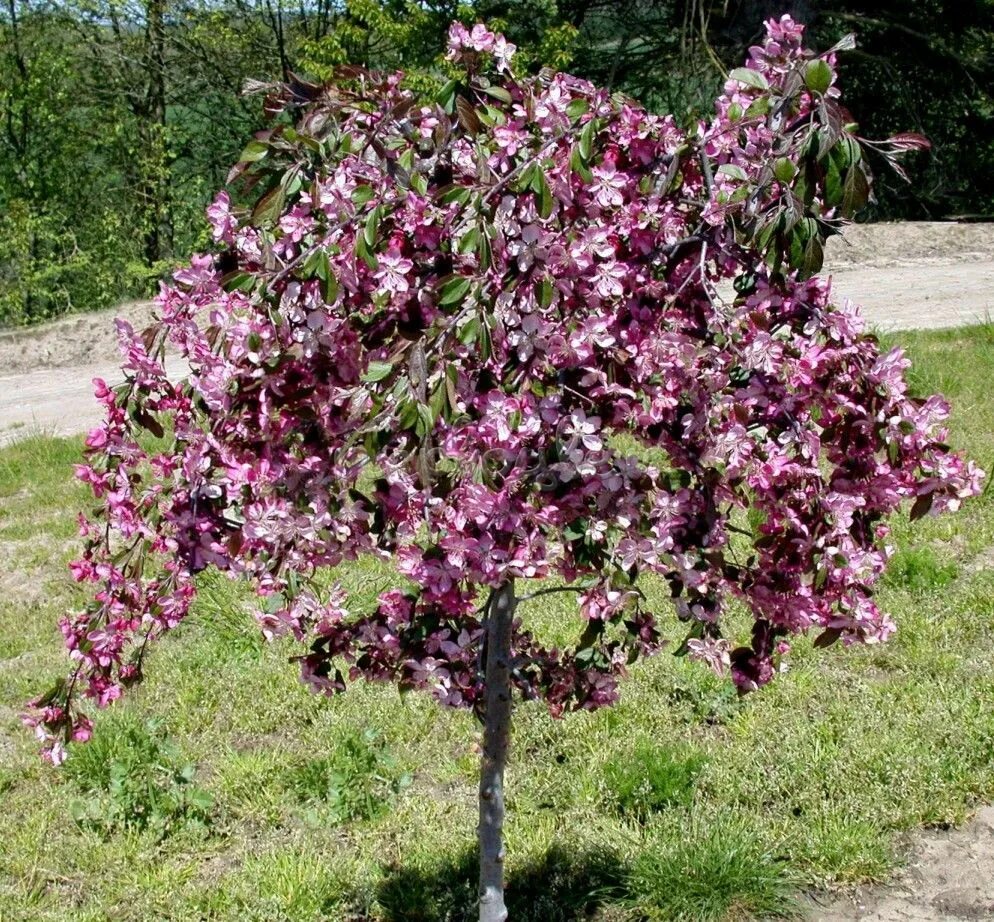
(435, 333)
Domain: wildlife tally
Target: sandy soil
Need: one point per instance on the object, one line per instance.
(905, 276)
(950, 876)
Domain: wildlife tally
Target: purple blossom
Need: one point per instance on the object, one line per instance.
(445, 361)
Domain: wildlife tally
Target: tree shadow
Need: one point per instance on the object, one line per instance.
(561, 886)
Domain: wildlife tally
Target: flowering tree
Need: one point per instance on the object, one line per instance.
(426, 338)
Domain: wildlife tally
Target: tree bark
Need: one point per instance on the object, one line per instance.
(496, 739)
(158, 233)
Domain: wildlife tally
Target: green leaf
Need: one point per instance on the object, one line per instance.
(498, 92)
(854, 153)
(733, 170)
(544, 195)
(833, 183)
(759, 106)
(372, 225)
(855, 192)
(331, 289)
(446, 97)
(827, 637)
(269, 207)
(254, 151)
(526, 179)
(784, 169)
(545, 292)
(407, 414)
(818, 76)
(363, 252)
(750, 77)
(469, 241)
(484, 252)
(363, 194)
(377, 371)
(469, 332)
(454, 290)
(451, 387)
(437, 402)
(577, 108)
(484, 343)
(813, 257)
(579, 167)
(419, 183)
(426, 420)
(458, 194)
(586, 142)
(575, 530)
(238, 281)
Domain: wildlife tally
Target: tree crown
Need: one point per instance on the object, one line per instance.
(491, 336)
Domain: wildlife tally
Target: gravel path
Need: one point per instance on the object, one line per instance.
(905, 275)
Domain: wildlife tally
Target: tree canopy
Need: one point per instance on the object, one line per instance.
(141, 105)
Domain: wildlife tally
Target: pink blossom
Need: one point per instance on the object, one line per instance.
(478, 382)
(393, 271)
(223, 222)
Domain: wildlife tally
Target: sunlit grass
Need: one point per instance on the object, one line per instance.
(683, 802)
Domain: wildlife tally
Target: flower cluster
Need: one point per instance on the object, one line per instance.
(483, 336)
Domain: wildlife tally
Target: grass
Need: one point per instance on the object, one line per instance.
(683, 802)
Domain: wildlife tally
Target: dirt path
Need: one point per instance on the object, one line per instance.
(905, 276)
(949, 878)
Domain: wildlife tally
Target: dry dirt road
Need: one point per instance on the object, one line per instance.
(905, 275)
(949, 877)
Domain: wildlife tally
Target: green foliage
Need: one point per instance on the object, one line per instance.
(919, 569)
(356, 782)
(134, 781)
(714, 871)
(651, 778)
(101, 190)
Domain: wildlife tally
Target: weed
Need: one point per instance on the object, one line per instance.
(136, 782)
(919, 569)
(712, 872)
(651, 778)
(356, 782)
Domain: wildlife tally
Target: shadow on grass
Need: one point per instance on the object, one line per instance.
(559, 887)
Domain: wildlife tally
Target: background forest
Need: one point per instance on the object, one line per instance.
(119, 118)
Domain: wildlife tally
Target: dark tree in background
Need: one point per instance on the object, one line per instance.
(139, 104)
(924, 65)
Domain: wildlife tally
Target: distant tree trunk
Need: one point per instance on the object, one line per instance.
(18, 125)
(743, 22)
(276, 24)
(496, 740)
(158, 232)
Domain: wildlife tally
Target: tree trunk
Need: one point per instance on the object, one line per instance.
(158, 232)
(496, 737)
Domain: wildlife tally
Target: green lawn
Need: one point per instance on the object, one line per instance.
(223, 790)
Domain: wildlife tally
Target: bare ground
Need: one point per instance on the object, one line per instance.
(949, 878)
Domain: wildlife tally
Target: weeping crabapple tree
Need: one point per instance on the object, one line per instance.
(486, 336)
